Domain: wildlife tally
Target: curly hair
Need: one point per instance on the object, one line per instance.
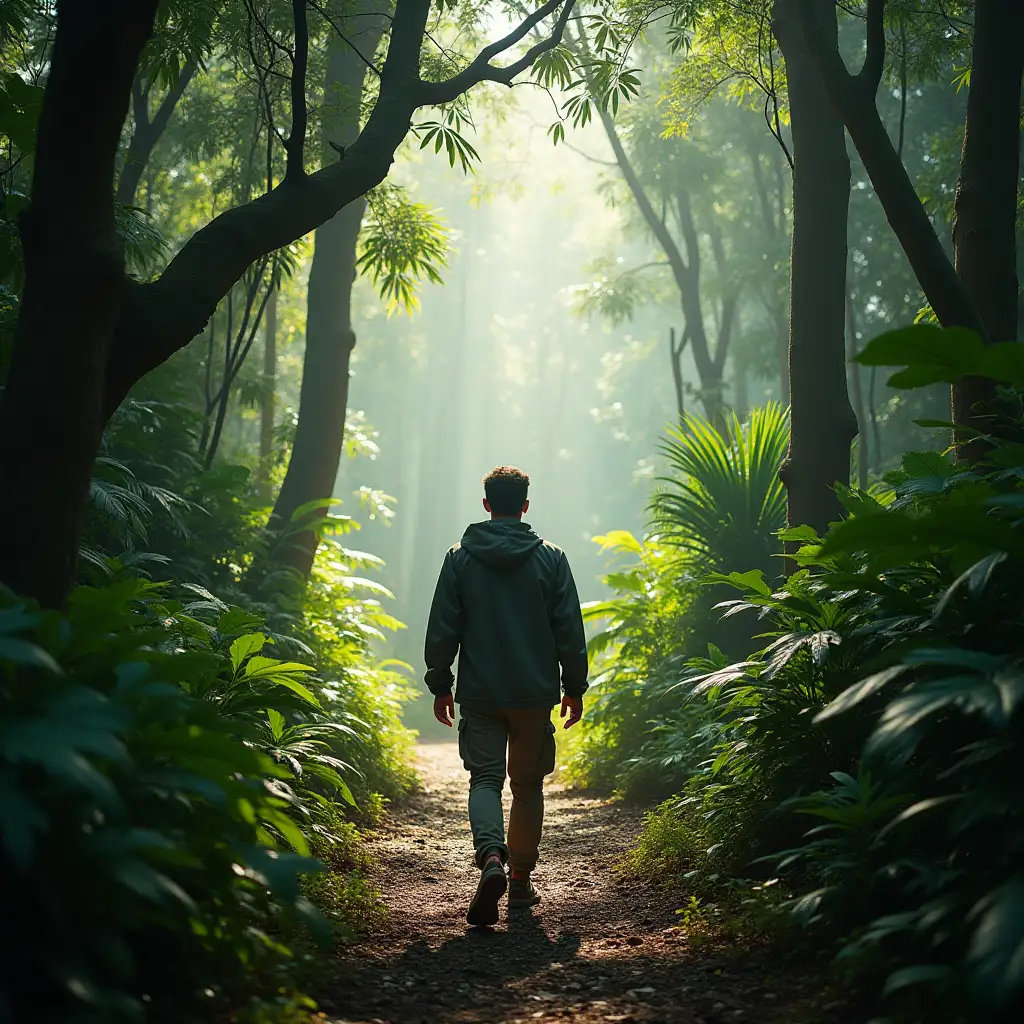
(505, 488)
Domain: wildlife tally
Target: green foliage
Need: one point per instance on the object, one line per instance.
(633, 739)
(720, 508)
(20, 104)
(214, 759)
(933, 354)
(887, 707)
(180, 832)
(401, 244)
(445, 136)
(724, 502)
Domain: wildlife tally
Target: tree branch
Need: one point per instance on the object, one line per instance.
(161, 317)
(296, 142)
(481, 69)
(148, 132)
(870, 74)
(947, 294)
(689, 229)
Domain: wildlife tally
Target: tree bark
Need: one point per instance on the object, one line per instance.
(268, 399)
(822, 421)
(676, 356)
(330, 339)
(782, 354)
(985, 206)
(51, 415)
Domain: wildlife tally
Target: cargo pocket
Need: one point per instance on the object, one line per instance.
(548, 749)
(464, 745)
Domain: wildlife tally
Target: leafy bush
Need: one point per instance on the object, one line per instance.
(628, 739)
(888, 708)
(721, 504)
(148, 844)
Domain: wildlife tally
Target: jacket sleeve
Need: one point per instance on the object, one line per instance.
(567, 626)
(444, 630)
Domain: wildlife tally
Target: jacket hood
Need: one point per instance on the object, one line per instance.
(502, 543)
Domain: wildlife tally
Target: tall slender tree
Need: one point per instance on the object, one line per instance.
(979, 288)
(330, 338)
(822, 421)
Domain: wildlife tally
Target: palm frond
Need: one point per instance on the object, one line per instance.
(722, 499)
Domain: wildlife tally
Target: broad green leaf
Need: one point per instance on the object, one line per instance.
(277, 721)
(260, 667)
(929, 352)
(244, 646)
(858, 692)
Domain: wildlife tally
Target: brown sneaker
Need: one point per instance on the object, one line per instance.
(521, 893)
(483, 910)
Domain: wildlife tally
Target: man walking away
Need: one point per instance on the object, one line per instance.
(506, 603)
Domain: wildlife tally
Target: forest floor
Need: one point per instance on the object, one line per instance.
(598, 947)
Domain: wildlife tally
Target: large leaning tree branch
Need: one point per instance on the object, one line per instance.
(161, 317)
(853, 95)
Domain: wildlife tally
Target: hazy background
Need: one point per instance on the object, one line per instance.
(498, 367)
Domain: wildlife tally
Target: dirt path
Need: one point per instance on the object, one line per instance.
(596, 949)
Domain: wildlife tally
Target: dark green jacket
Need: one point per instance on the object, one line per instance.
(506, 603)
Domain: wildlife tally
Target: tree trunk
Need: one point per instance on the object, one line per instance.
(268, 399)
(852, 348)
(782, 354)
(330, 339)
(51, 413)
(685, 272)
(676, 355)
(822, 421)
(985, 208)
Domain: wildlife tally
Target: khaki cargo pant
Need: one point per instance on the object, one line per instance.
(528, 737)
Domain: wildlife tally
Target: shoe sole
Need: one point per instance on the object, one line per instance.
(483, 911)
(523, 901)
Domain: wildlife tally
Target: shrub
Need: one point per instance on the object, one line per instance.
(888, 708)
(147, 848)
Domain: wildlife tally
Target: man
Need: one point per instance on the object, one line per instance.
(506, 603)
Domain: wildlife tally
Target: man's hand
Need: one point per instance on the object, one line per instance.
(444, 709)
(574, 705)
